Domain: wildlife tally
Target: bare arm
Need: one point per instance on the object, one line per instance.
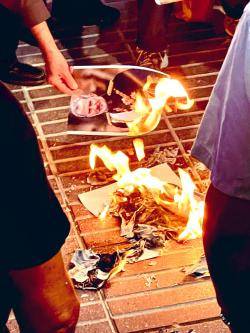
(58, 71)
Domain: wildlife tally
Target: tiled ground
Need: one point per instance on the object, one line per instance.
(130, 303)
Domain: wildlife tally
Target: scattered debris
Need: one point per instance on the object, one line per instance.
(149, 280)
(162, 330)
(152, 263)
(90, 271)
(165, 155)
(175, 328)
(73, 187)
(98, 178)
(199, 270)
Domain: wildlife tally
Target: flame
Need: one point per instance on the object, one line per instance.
(149, 110)
(113, 161)
(182, 202)
(139, 148)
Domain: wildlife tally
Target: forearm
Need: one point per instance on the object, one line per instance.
(44, 38)
(57, 68)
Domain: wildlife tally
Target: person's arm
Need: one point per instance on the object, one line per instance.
(58, 71)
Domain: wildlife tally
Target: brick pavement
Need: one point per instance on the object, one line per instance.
(129, 304)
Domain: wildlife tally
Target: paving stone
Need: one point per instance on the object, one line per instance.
(163, 297)
(103, 327)
(91, 312)
(167, 316)
(213, 326)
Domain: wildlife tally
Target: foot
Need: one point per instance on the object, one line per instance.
(155, 60)
(22, 74)
(94, 14)
(230, 25)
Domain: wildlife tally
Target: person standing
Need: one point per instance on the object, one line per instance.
(15, 14)
(222, 144)
(152, 47)
(33, 280)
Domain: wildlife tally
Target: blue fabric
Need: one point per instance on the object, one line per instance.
(223, 140)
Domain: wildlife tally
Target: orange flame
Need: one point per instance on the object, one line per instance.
(139, 148)
(113, 161)
(182, 202)
(149, 110)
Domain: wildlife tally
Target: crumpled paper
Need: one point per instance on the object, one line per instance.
(90, 270)
(199, 270)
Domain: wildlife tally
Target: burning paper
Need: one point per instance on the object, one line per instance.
(149, 208)
(139, 149)
(97, 199)
(149, 110)
(123, 100)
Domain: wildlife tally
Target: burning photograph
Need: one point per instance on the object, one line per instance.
(153, 206)
(122, 100)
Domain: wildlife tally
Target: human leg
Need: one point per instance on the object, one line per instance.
(45, 299)
(12, 71)
(6, 300)
(151, 40)
(234, 8)
(92, 12)
(34, 281)
(227, 247)
(152, 25)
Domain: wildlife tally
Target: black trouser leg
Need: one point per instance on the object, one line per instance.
(227, 248)
(6, 300)
(10, 27)
(83, 12)
(234, 8)
(152, 25)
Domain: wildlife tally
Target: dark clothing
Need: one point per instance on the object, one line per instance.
(234, 8)
(10, 40)
(227, 248)
(31, 12)
(152, 25)
(34, 227)
(13, 16)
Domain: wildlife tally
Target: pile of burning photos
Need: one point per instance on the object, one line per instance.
(146, 224)
(144, 219)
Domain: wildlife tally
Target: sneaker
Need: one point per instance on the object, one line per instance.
(230, 25)
(155, 60)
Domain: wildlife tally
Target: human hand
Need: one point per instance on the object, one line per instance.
(59, 72)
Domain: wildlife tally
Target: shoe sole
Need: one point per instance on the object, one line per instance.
(24, 83)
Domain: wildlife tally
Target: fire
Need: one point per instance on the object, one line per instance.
(113, 161)
(149, 110)
(181, 202)
(139, 149)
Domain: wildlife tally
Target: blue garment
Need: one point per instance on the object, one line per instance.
(223, 140)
